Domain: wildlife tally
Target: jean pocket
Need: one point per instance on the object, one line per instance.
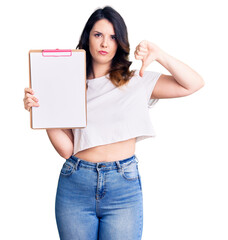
(67, 168)
(130, 172)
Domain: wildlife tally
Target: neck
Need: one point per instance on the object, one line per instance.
(99, 70)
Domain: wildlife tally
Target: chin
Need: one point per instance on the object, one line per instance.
(104, 61)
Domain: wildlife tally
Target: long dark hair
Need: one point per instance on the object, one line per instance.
(119, 72)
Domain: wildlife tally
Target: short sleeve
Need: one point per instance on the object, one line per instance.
(149, 81)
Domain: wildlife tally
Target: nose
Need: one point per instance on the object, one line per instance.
(104, 43)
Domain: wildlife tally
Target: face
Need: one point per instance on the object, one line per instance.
(102, 42)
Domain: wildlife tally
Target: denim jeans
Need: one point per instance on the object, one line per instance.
(99, 201)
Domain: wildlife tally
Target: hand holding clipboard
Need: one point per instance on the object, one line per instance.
(30, 100)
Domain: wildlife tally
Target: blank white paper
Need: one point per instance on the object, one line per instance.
(59, 83)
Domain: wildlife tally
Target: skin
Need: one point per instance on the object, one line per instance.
(102, 38)
(183, 81)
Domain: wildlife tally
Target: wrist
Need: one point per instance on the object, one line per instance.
(161, 56)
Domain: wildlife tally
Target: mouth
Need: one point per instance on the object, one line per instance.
(103, 52)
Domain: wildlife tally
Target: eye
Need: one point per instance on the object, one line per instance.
(97, 34)
(113, 37)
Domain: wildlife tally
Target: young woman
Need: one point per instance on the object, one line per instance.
(99, 194)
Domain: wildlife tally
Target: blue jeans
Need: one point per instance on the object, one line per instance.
(99, 200)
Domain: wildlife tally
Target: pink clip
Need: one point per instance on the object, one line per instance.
(57, 53)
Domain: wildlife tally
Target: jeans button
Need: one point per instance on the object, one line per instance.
(100, 166)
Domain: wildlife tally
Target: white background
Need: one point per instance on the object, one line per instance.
(184, 169)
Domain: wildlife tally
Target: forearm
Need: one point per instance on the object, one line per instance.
(62, 141)
(182, 73)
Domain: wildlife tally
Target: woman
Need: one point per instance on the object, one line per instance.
(99, 194)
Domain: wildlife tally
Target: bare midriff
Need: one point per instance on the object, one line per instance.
(109, 152)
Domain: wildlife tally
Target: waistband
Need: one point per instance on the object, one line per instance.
(102, 165)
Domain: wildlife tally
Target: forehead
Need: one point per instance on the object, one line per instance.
(103, 26)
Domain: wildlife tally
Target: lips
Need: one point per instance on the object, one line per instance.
(103, 52)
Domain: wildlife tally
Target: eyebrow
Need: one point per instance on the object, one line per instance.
(101, 33)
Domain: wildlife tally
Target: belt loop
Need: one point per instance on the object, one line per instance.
(97, 167)
(136, 159)
(76, 165)
(118, 166)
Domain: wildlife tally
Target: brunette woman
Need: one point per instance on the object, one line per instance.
(99, 194)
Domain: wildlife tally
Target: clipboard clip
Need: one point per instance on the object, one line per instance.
(57, 53)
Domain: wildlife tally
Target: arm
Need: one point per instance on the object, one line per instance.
(62, 140)
(183, 81)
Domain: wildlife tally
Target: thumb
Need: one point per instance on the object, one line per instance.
(141, 72)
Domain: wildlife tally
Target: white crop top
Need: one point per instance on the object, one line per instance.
(117, 114)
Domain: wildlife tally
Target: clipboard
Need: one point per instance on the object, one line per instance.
(58, 79)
